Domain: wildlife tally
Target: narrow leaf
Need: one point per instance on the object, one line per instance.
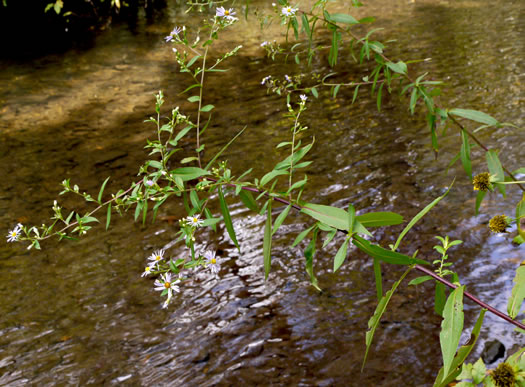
(267, 243)
(451, 327)
(248, 200)
(280, 219)
(463, 352)
(518, 293)
(416, 218)
(108, 217)
(474, 115)
(378, 219)
(189, 173)
(385, 255)
(227, 218)
(373, 322)
(341, 255)
(102, 190)
(309, 253)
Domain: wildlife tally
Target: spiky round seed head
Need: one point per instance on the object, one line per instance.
(481, 182)
(498, 223)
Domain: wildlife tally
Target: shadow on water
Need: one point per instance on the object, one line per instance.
(79, 313)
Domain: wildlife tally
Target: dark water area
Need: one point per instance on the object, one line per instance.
(78, 313)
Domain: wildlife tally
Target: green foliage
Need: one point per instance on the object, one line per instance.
(165, 175)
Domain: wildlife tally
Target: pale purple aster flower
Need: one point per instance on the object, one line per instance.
(266, 79)
(226, 13)
(265, 43)
(289, 11)
(149, 183)
(288, 78)
(303, 97)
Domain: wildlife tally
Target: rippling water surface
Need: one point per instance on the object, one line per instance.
(79, 313)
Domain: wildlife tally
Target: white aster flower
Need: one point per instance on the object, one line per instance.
(14, 234)
(156, 257)
(303, 97)
(149, 183)
(194, 221)
(165, 283)
(212, 262)
(147, 271)
(289, 11)
(265, 43)
(226, 13)
(287, 78)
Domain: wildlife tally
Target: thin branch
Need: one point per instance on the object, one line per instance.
(417, 267)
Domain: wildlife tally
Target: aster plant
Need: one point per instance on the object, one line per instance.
(200, 181)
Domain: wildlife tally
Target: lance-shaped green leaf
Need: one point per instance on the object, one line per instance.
(341, 255)
(518, 293)
(101, 192)
(301, 236)
(343, 18)
(451, 327)
(494, 165)
(496, 170)
(465, 154)
(267, 242)
(309, 253)
(108, 216)
(416, 218)
(440, 297)
(479, 198)
(399, 67)
(248, 200)
(520, 218)
(474, 115)
(380, 309)
(295, 157)
(272, 175)
(382, 254)
(332, 216)
(189, 173)
(227, 218)
(378, 219)
(280, 219)
(443, 380)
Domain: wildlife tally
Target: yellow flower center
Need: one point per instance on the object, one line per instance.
(213, 261)
(289, 9)
(158, 258)
(167, 285)
(147, 269)
(13, 233)
(226, 12)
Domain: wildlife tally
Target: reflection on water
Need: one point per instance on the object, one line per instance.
(79, 313)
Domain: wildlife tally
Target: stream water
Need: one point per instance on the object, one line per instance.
(79, 313)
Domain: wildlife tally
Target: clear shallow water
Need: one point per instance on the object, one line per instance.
(79, 313)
